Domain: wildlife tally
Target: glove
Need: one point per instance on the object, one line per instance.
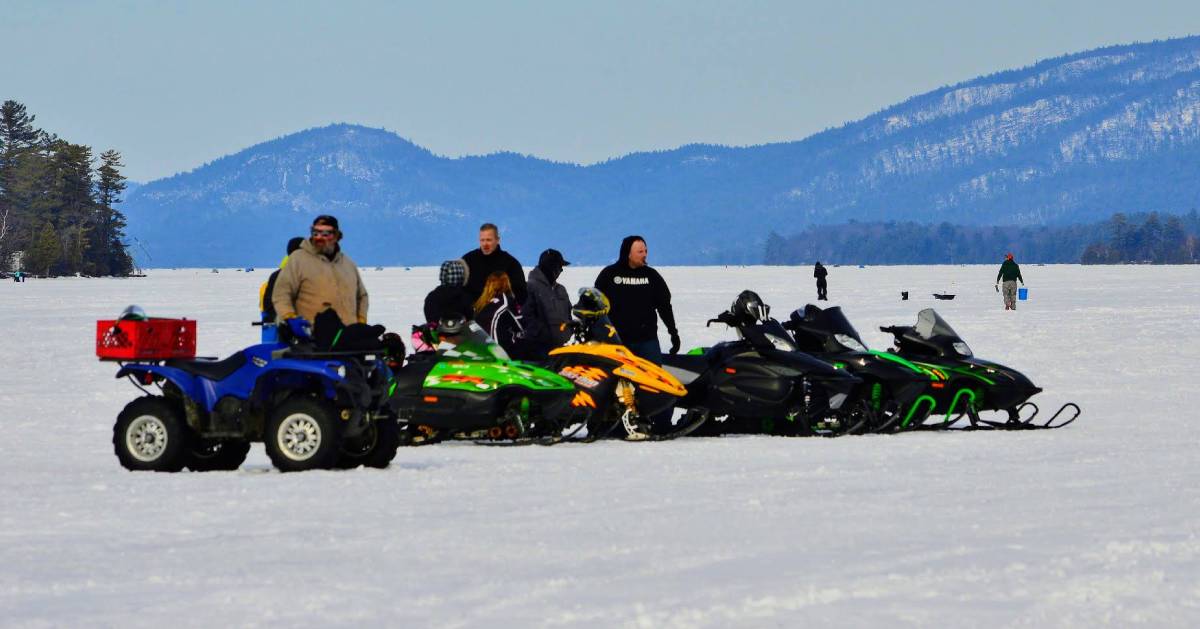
(675, 342)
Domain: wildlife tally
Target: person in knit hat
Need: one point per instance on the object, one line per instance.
(450, 298)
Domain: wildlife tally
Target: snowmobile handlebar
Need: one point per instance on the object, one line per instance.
(725, 317)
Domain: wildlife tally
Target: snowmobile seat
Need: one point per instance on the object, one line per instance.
(211, 369)
(685, 367)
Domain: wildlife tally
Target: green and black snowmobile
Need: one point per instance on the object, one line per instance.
(970, 385)
(469, 389)
(897, 390)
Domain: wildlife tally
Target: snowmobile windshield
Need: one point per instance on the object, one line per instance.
(770, 332)
(474, 342)
(930, 324)
(830, 325)
(843, 332)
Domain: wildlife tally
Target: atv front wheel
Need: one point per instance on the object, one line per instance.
(302, 434)
(376, 447)
(150, 436)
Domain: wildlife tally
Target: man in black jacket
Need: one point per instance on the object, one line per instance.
(488, 259)
(548, 307)
(639, 296)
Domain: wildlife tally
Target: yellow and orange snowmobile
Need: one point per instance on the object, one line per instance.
(621, 390)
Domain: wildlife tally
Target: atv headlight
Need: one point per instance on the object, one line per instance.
(845, 340)
(962, 348)
(341, 371)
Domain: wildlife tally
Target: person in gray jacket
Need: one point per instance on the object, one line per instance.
(547, 308)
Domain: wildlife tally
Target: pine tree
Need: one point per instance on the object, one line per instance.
(775, 251)
(1151, 241)
(46, 251)
(1175, 242)
(18, 138)
(113, 257)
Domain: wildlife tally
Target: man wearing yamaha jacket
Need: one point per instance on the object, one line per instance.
(639, 296)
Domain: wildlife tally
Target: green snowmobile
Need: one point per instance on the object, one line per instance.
(468, 388)
(970, 385)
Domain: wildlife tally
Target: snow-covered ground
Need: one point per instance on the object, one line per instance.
(1095, 524)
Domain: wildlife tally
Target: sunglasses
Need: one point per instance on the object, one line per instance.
(324, 233)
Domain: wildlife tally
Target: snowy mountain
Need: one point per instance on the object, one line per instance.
(1067, 140)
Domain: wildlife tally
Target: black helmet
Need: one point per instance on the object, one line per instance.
(592, 303)
(749, 307)
(452, 324)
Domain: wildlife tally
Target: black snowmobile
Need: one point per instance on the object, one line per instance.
(970, 385)
(761, 383)
(895, 388)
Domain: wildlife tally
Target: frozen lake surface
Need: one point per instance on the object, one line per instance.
(1095, 524)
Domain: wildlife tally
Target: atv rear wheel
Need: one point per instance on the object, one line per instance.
(216, 456)
(150, 436)
(302, 434)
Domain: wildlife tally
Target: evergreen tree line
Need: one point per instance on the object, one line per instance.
(1154, 238)
(57, 214)
(1147, 239)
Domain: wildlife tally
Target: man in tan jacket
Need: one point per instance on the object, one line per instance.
(319, 276)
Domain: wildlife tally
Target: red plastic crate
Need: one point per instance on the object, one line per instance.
(148, 339)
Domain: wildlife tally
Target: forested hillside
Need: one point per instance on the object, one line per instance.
(57, 202)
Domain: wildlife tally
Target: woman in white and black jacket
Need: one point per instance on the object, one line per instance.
(496, 312)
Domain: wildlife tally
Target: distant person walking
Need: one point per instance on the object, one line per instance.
(1010, 274)
(820, 273)
(488, 259)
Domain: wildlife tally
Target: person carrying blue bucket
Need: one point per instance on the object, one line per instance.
(1010, 274)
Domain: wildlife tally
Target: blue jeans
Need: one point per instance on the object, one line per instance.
(652, 351)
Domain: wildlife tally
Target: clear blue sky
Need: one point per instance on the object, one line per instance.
(175, 84)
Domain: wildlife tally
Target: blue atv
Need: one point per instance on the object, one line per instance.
(312, 409)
